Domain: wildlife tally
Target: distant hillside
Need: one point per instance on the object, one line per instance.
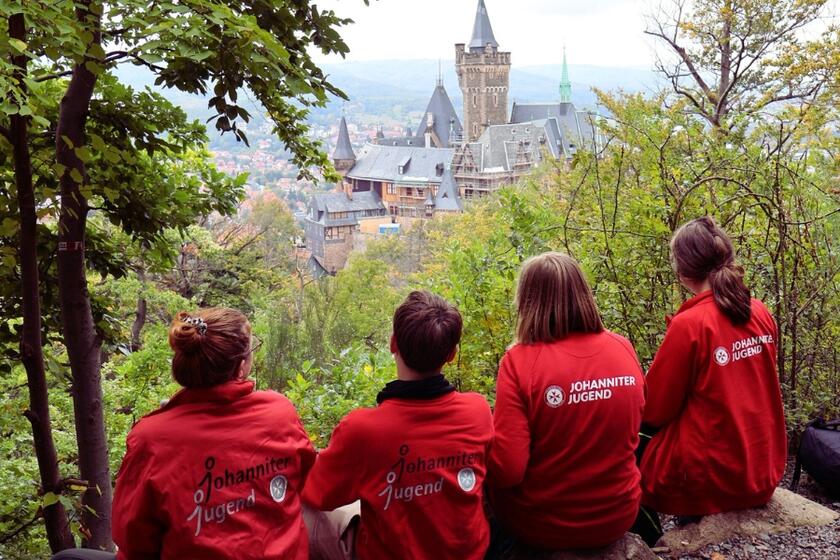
(396, 91)
(527, 83)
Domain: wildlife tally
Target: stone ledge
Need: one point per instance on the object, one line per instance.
(629, 547)
(785, 512)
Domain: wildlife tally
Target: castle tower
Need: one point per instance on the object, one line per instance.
(565, 84)
(484, 77)
(343, 157)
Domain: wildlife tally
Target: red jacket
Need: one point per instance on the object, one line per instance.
(214, 474)
(714, 390)
(562, 469)
(418, 467)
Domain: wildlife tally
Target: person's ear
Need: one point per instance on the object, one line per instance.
(394, 349)
(245, 367)
(452, 355)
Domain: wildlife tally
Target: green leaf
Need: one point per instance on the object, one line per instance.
(97, 143)
(83, 153)
(49, 499)
(18, 45)
(94, 67)
(76, 175)
(8, 227)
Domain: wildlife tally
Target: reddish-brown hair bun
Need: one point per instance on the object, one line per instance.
(209, 346)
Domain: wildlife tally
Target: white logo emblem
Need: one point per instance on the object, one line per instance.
(721, 356)
(466, 479)
(277, 487)
(554, 396)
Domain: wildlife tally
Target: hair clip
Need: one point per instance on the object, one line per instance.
(198, 323)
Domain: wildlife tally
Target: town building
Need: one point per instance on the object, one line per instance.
(393, 180)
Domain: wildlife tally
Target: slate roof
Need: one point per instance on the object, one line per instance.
(381, 163)
(445, 117)
(340, 202)
(482, 31)
(448, 197)
(408, 140)
(574, 126)
(497, 147)
(343, 149)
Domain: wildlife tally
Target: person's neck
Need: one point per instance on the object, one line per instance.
(405, 373)
(408, 374)
(697, 287)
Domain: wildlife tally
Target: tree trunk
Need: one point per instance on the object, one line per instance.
(31, 348)
(80, 336)
(139, 318)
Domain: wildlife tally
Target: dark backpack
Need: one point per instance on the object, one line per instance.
(819, 454)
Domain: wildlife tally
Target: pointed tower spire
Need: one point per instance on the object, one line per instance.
(482, 34)
(343, 148)
(343, 156)
(440, 74)
(565, 84)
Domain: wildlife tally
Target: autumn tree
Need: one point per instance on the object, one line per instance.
(742, 56)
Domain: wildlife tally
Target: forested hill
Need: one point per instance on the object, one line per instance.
(378, 87)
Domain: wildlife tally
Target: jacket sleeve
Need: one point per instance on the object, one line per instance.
(512, 438)
(334, 479)
(669, 378)
(137, 526)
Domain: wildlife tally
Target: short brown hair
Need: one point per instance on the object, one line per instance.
(700, 249)
(554, 300)
(427, 329)
(208, 352)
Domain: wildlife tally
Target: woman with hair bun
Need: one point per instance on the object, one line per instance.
(713, 389)
(216, 472)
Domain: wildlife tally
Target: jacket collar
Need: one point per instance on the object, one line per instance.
(220, 394)
(702, 297)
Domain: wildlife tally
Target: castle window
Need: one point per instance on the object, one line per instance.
(391, 189)
(495, 100)
(475, 129)
(475, 100)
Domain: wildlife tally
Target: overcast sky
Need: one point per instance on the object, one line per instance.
(601, 32)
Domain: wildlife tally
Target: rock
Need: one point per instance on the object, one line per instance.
(629, 547)
(785, 512)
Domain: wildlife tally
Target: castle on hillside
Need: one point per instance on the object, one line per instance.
(394, 180)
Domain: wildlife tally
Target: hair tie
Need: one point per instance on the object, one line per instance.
(198, 323)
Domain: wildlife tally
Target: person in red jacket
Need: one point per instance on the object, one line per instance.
(569, 400)
(416, 461)
(713, 389)
(216, 472)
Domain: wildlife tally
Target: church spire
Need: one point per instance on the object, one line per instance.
(565, 84)
(343, 149)
(482, 34)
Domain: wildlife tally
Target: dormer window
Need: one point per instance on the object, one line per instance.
(402, 167)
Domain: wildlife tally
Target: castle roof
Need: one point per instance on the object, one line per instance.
(482, 31)
(343, 149)
(330, 203)
(400, 164)
(576, 131)
(498, 147)
(448, 197)
(445, 119)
